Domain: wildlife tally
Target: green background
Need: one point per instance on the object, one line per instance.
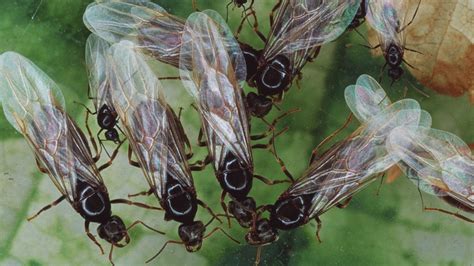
(385, 229)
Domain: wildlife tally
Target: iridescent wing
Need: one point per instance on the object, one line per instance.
(366, 98)
(34, 105)
(300, 26)
(437, 161)
(146, 24)
(214, 81)
(149, 123)
(353, 163)
(96, 49)
(388, 17)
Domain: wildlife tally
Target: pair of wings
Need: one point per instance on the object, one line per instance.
(34, 106)
(153, 130)
(388, 18)
(438, 162)
(301, 26)
(146, 24)
(214, 78)
(351, 164)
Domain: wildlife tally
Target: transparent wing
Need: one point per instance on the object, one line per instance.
(388, 17)
(34, 105)
(439, 162)
(150, 125)
(96, 49)
(214, 81)
(353, 163)
(146, 24)
(366, 98)
(302, 25)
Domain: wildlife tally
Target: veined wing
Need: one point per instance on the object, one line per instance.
(96, 49)
(146, 24)
(305, 24)
(366, 98)
(353, 163)
(214, 81)
(150, 124)
(437, 161)
(34, 105)
(388, 17)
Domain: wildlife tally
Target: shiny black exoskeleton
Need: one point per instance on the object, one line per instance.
(180, 204)
(107, 120)
(274, 77)
(287, 213)
(359, 18)
(243, 211)
(258, 105)
(235, 178)
(394, 59)
(93, 205)
(270, 77)
(240, 3)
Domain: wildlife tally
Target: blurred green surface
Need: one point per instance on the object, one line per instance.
(385, 229)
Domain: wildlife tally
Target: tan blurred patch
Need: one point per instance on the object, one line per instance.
(393, 173)
(443, 32)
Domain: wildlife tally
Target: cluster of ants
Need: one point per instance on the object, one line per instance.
(213, 65)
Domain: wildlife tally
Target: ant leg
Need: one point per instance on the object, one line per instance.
(344, 204)
(410, 65)
(143, 193)
(110, 254)
(270, 182)
(41, 168)
(201, 143)
(227, 11)
(280, 162)
(258, 255)
(130, 160)
(91, 236)
(49, 206)
(457, 215)
(204, 205)
(137, 222)
(201, 164)
(412, 50)
(272, 125)
(112, 158)
(274, 9)
(320, 224)
(222, 231)
(138, 204)
(314, 153)
(224, 206)
(380, 185)
(91, 138)
(412, 18)
(271, 142)
(381, 72)
(169, 78)
(163, 247)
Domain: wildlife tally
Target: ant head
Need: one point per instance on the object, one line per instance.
(262, 233)
(114, 231)
(192, 235)
(259, 105)
(243, 211)
(112, 135)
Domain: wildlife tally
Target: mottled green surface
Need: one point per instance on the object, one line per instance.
(384, 229)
